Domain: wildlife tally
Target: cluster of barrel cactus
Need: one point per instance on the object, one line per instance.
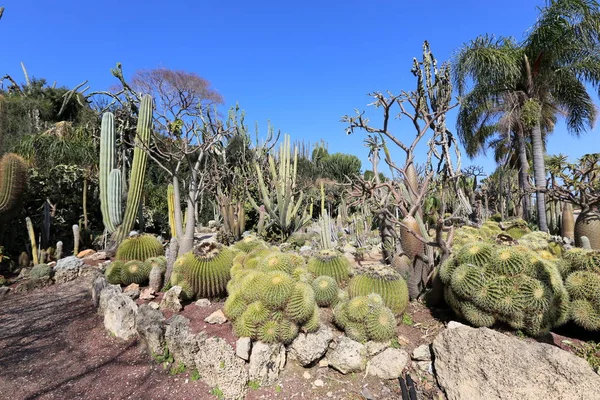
(582, 281)
(271, 296)
(385, 282)
(486, 283)
(134, 260)
(330, 263)
(365, 318)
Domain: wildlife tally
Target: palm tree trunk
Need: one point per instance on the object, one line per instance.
(524, 176)
(539, 174)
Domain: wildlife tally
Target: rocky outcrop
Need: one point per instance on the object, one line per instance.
(266, 361)
(67, 269)
(119, 316)
(171, 300)
(182, 345)
(348, 356)
(388, 364)
(149, 325)
(484, 364)
(310, 347)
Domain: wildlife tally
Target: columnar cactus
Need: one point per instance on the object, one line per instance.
(13, 182)
(171, 208)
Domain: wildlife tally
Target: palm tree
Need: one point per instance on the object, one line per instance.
(526, 86)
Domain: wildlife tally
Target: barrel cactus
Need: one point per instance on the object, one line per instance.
(205, 270)
(588, 225)
(330, 263)
(384, 281)
(511, 284)
(326, 290)
(365, 318)
(250, 243)
(113, 272)
(134, 271)
(583, 285)
(139, 247)
(13, 182)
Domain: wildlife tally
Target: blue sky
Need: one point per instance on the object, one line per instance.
(301, 65)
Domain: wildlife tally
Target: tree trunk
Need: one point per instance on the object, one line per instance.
(539, 174)
(524, 176)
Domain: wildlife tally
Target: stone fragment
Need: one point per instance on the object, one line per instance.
(216, 317)
(171, 300)
(266, 361)
(85, 253)
(119, 316)
(348, 356)
(421, 353)
(243, 347)
(149, 325)
(202, 302)
(389, 364)
(309, 347)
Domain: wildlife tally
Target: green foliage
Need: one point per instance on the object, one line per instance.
(590, 351)
(250, 243)
(195, 375)
(583, 286)
(387, 283)
(254, 384)
(206, 270)
(176, 370)
(407, 319)
(139, 247)
(330, 263)
(326, 291)
(300, 306)
(217, 392)
(340, 166)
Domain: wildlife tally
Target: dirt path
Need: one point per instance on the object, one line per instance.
(53, 346)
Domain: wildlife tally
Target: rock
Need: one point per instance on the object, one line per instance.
(202, 302)
(425, 366)
(319, 383)
(119, 316)
(266, 361)
(99, 256)
(4, 291)
(388, 364)
(24, 273)
(374, 348)
(350, 257)
(306, 250)
(171, 301)
(32, 284)
(323, 363)
(309, 347)
(348, 356)
(147, 294)
(154, 305)
(67, 269)
(220, 367)
(181, 343)
(105, 294)
(216, 318)
(51, 264)
(149, 325)
(98, 284)
(85, 253)
(484, 364)
(134, 287)
(155, 279)
(421, 353)
(348, 248)
(454, 324)
(243, 347)
(306, 375)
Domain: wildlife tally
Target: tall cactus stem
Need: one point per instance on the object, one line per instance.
(107, 164)
(31, 233)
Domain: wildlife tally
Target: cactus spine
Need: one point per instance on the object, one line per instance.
(32, 240)
(13, 178)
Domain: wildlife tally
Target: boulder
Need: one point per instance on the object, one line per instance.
(119, 316)
(266, 361)
(217, 318)
(132, 291)
(243, 347)
(99, 256)
(374, 348)
(202, 302)
(147, 294)
(32, 284)
(348, 356)
(388, 364)
(422, 353)
(171, 300)
(182, 344)
(98, 285)
(219, 366)
(85, 253)
(484, 364)
(310, 347)
(155, 279)
(4, 291)
(105, 294)
(149, 325)
(67, 269)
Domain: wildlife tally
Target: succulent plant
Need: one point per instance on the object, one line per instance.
(250, 243)
(410, 244)
(160, 261)
(365, 318)
(313, 323)
(476, 253)
(381, 324)
(326, 291)
(284, 262)
(13, 182)
(113, 272)
(330, 263)
(277, 289)
(301, 303)
(134, 271)
(234, 306)
(139, 247)
(385, 282)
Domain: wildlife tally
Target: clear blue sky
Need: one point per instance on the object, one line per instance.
(301, 65)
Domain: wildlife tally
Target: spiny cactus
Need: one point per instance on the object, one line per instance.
(583, 260)
(385, 282)
(113, 272)
(139, 247)
(277, 289)
(31, 233)
(567, 228)
(410, 244)
(365, 318)
(588, 225)
(250, 243)
(206, 269)
(301, 303)
(330, 263)
(284, 262)
(13, 182)
(476, 253)
(159, 261)
(326, 291)
(134, 271)
(583, 285)
(171, 210)
(516, 286)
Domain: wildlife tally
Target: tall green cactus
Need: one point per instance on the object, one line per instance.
(111, 179)
(13, 180)
(281, 204)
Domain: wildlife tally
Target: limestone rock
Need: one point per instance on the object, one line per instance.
(455, 324)
(182, 344)
(105, 294)
(32, 284)
(155, 279)
(98, 284)
(216, 318)
(132, 291)
(171, 300)
(306, 251)
(219, 366)
(4, 291)
(484, 364)
(147, 294)
(242, 348)
(85, 253)
(421, 353)
(374, 348)
(154, 305)
(309, 347)
(99, 256)
(202, 302)
(388, 364)
(119, 316)
(266, 361)
(67, 269)
(149, 325)
(348, 356)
